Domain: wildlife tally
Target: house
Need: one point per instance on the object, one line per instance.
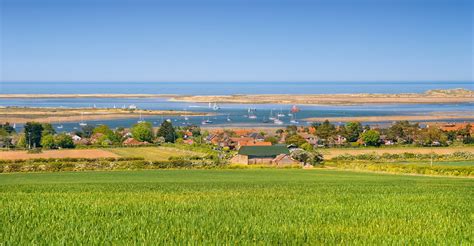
(270, 155)
(257, 136)
(76, 138)
(133, 142)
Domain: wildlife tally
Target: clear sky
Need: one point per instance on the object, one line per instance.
(236, 40)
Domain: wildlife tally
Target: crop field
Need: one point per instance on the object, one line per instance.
(333, 152)
(268, 206)
(154, 153)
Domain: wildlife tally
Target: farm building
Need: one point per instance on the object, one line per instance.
(271, 155)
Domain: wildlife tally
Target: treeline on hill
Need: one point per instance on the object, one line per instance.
(43, 135)
(401, 133)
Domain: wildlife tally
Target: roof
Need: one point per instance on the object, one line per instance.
(263, 150)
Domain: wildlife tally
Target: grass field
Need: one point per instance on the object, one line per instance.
(234, 206)
(154, 153)
(333, 152)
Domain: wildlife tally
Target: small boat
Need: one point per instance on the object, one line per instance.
(186, 118)
(228, 118)
(14, 125)
(251, 112)
(281, 114)
(265, 120)
(60, 127)
(205, 122)
(140, 120)
(215, 107)
(278, 122)
(82, 123)
(271, 115)
(294, 121)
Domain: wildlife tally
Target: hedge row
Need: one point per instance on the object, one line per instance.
(405, 156)
(77, 164)
(406, 168)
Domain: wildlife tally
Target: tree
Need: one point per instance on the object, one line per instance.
(295, 140)
(64, 141)
(8, 128)
(167, 132)
(371, 137)
(307, 157)
(403, 131)
(433, 134)
(5, 138)
(143, 131)
(87, 131)
(353, 130)
(325, 130)
(33, 132)
(47, 141)
(271, 139)
(48, 129)
(307, 147)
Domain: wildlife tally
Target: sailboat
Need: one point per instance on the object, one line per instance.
(281, 114)
(293, 111)
(186, 118)
(277, 121)
(271, 115)
(265, 120)
(82, 123)
(251, 112)
(205, 122)
(14, 125)
(140, 120)
(228, 118)
(215, 107)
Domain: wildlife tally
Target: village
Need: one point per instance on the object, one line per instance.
(264, 146)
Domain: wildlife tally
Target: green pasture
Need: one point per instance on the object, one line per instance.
(269, 206)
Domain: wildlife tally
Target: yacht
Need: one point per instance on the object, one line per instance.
(140, 120)
(281, 114)
(82, 123)
(271, 115)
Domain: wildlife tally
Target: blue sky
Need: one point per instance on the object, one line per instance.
(236, 40)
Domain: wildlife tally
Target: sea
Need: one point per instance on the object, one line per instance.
(229, 115)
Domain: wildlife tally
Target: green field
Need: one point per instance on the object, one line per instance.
(234, 206)
(154, 153)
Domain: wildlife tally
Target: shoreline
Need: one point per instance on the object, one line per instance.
(390, 118)
(21, 115)
(430, 97)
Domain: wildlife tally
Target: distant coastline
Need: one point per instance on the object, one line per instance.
(458, 95)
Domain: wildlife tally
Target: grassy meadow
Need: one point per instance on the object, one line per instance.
(154, 153)
(234, 206)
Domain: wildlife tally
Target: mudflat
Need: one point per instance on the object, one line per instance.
(22, 115)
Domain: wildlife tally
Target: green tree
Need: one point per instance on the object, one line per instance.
(353, 130)
(271, 139)
(307, 147)
(21, 142)
(87, 131)
(7, 127)
(371, 137)
(64, 141)
(33, 132)
(48, 129)
(143, 131)
(47, 141)
(167, 132)
(295, 140)
(325, 130)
